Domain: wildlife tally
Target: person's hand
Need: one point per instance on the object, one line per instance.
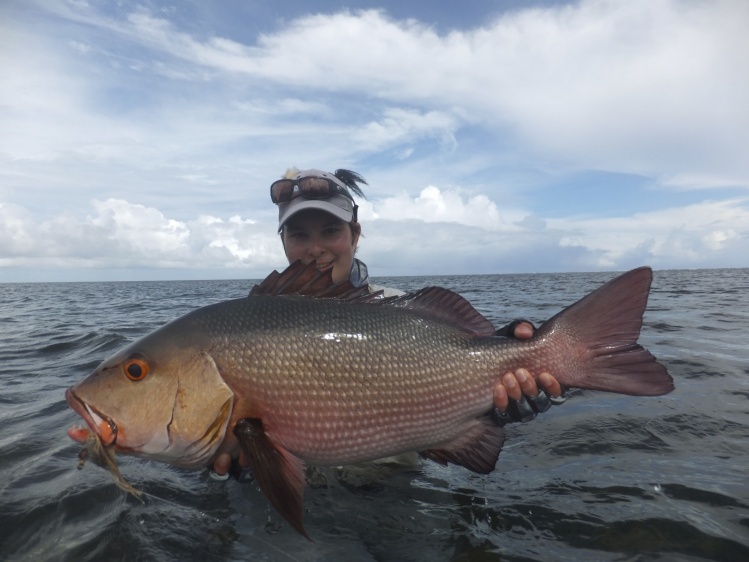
(521, 383)
(515, 385)
(221, 466)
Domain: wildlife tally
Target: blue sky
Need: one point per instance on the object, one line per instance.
(139, 138)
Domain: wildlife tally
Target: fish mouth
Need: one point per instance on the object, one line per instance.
(103, 426)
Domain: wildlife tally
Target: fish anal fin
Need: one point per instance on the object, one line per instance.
(477, 449)
(279, 474)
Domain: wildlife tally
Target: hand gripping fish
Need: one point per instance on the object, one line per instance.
(304, 372)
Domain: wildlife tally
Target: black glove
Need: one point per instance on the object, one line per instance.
(523, 410)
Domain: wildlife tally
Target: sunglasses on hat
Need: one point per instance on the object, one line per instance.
(310, 187)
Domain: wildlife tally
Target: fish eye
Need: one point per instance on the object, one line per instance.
(136, 368)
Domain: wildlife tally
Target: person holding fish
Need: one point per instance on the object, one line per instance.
(309, 372)
(318, 222)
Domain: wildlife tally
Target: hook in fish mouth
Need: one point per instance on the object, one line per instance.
(102, 425)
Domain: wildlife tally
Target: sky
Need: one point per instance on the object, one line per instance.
(138, 139)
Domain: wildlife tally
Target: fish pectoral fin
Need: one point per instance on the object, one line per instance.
(279, 474)
(477, 449)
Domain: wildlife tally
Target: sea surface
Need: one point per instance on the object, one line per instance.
(600, 477)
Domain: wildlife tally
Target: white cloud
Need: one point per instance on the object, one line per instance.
(689, 236)
(286, 106)
(401, 126)
(655, 88)
(639, 87)
(141, 231)
(435, 205)
(118, 234)
(160, 124)
(436, 232)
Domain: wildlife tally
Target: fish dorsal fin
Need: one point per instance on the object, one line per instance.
(477, 449)
(307, 280)
(444, 306)
(437, 303)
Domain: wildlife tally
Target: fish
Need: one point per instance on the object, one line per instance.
(306, 372)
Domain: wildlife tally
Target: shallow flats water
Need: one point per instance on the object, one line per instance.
(601, 477)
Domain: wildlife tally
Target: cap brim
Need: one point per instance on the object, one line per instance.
(339, 206)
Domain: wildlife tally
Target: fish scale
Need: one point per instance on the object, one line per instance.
(340, 364)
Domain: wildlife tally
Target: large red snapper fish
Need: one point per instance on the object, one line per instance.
(302, 371)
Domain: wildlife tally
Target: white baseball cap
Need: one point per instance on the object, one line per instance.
(338, 205)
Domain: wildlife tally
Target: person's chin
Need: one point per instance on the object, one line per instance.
(337, 275)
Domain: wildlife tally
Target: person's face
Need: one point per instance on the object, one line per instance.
(319, 237)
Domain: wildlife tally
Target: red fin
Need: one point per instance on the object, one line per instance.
(307, 280)
(604, 326)
(442, 305)
(477, 449)
(279, 474)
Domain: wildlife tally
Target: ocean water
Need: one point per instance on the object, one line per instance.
(600, 477)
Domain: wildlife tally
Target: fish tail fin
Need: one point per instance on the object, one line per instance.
(602, 329)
